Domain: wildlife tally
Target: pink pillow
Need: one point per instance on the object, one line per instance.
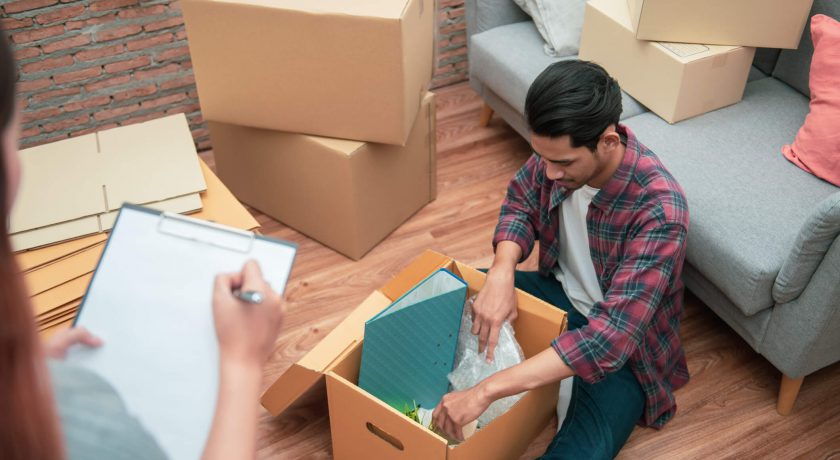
(816, 148)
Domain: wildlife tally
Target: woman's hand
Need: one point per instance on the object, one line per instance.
(59, 343)
(246, 331)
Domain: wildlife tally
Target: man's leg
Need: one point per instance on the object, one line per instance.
(600, 416)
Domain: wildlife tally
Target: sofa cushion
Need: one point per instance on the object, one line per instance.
(747, 202)
(508, 59)
(816, 148)
(559, 23)
(793, 65)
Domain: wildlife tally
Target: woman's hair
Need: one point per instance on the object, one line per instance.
(28, 423)
(573, 97)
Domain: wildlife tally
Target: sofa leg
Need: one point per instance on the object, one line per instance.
(787, 394)
(486, 115)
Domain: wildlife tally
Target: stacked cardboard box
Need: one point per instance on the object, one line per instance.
(57, 276)
(318, 110)
(682, 58)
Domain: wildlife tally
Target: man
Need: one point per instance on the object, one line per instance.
(611, 222)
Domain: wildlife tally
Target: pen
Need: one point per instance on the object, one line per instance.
(248, 296)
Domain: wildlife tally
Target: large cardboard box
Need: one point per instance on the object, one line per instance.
(674, 80)
(365, 427)
(337, 68)
(348, 195)
(758, 23)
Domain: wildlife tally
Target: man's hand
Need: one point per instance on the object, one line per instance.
(246, 331)
(495, 304)
(58, 344)
(459, 408)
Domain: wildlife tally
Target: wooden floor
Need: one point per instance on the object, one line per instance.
(726, 411)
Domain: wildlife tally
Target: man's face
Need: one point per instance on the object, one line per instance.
(571, 166)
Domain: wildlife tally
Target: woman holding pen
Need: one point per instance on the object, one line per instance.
(54, 411)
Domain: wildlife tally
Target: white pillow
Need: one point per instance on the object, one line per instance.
(558, 21)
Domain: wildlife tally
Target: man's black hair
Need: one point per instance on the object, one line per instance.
(578, 98)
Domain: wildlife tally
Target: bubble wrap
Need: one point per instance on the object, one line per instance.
(472, 367)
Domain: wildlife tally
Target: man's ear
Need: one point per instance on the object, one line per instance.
(611, 140)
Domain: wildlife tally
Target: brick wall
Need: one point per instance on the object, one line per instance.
(87, 65)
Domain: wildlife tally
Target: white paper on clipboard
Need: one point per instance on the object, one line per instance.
(150, 301)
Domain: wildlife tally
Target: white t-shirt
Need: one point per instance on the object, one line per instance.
(574, 266)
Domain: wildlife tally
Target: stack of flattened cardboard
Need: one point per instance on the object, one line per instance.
(318, 110)
(57, 276)
(683, 58)
(75, 187)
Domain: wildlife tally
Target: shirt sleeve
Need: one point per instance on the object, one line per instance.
(617, 325)
(520, 210)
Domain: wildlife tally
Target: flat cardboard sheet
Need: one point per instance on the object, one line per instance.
(71, 182)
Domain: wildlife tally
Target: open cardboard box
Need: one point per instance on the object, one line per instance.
(364, 427)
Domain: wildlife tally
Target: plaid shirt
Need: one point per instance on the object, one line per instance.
(637, 225)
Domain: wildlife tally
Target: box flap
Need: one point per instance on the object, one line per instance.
(415, 272)
(304, 374)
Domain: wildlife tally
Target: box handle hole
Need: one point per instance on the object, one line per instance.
(381, 434)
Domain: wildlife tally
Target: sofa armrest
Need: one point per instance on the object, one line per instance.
(486, 14)
(802, 336)
(815, 237)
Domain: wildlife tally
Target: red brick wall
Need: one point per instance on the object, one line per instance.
(94, 64)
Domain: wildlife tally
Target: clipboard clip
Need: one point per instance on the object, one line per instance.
(203, 232)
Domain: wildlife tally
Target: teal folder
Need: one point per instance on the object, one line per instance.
(409, 348)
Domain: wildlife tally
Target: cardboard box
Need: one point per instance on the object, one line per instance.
(757, 23)
(674, 80)
(348, 195)
(365, 427)
(336, 68)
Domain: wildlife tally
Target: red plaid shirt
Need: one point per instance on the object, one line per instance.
(637, 227)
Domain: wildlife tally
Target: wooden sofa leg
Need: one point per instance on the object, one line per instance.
(486, 115)
(787, 394)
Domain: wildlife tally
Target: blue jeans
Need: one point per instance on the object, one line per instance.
(601, 415)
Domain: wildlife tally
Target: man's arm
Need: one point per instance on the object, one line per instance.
(458, 408)
(496, 302)
(513, 241)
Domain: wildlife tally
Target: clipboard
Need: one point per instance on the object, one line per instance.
(150, 300)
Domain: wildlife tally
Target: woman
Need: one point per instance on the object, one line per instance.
(68, 412)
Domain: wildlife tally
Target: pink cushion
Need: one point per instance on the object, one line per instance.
(816, 148)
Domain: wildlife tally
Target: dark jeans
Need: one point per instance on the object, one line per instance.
(601, 415)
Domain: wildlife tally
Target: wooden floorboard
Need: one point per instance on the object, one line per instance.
(726, 411)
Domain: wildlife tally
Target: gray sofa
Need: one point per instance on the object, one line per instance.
(764, 245)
